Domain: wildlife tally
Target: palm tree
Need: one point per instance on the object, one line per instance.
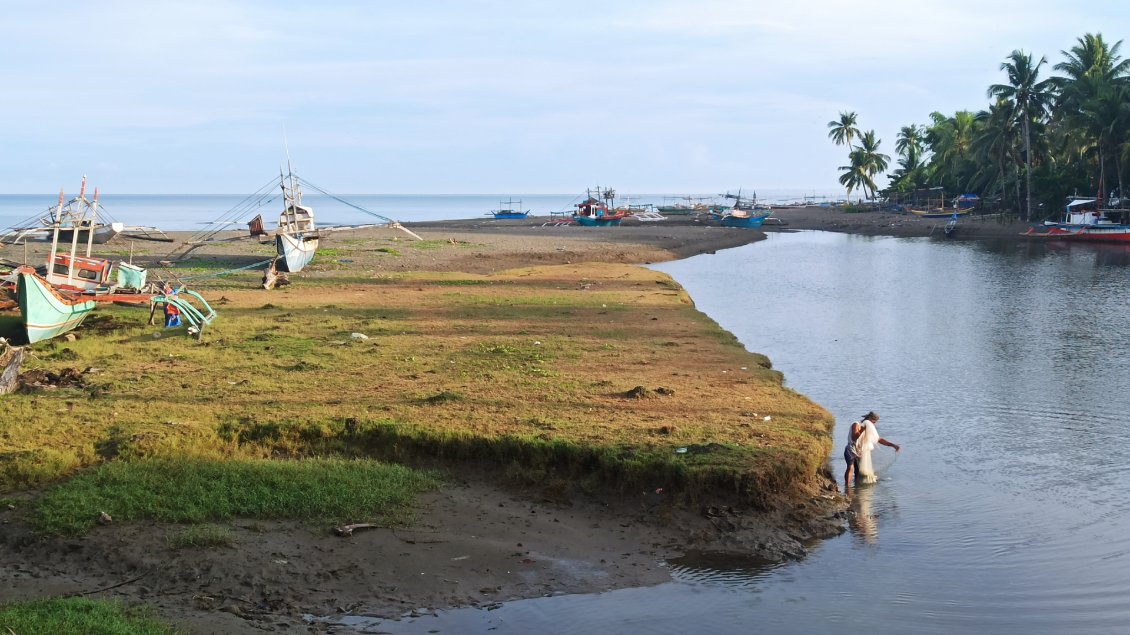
(1030, 99)
(995, 148)
(909, 145)
(1092, 56)
(950, 140)
(844, 129)
(873, 161)
(855, 175)
(1092, 97)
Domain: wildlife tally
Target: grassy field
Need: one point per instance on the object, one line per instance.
(600, 376)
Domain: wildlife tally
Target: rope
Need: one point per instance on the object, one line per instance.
(228, 271)
(343, 201)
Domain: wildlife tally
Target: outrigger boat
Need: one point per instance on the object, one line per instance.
(1084, 220)
(746, 213)
(692, 205)
(71, 286)
(56, 224)
(507, 210)
(593, 212)
(46, 311)
(296, 237)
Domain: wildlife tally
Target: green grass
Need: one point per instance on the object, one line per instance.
(78, 616)
(197, 491)
(446, 373)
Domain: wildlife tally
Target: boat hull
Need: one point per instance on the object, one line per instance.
(102, 234)
(511, 215)
(1084, 233)
(748, 222)
(598, 221)
(921, 213)
(295, 251)
(47, 313)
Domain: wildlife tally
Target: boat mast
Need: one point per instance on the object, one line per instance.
(91, 223)
(55, 235)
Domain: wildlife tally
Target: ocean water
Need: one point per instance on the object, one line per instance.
(192, 212)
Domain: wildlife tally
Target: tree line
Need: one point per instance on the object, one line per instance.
(1040, 140)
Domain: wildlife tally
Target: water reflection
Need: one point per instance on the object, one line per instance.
(861, 519)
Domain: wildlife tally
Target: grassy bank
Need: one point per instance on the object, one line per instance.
(77, 615)
(603, 376)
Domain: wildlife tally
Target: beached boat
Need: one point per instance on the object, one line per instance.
(46, 311)
(745, 213)
(103, 233)
(296, 237)
(939, 212)
(593, 212)
(1085, 221)
(508, 210)
(743, 218)
(687, 206)
(73, 221)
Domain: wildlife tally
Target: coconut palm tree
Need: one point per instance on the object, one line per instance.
(996, 148)
(950, 140)
(855, 174)
(909, 144)
(874, 162)
(1092, 99)
(844, 130)
(1030, 99)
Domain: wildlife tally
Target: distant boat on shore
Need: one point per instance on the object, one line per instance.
(58, 223)
(296, 236)
(507, 210)
(594, 212)
(689, 205)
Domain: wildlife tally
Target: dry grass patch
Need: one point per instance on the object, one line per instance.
(528, 369)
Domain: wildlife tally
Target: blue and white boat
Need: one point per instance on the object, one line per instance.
(508, 210)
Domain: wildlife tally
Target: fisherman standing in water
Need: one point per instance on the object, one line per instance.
(862, 438)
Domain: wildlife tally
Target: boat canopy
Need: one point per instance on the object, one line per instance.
(1080, 201)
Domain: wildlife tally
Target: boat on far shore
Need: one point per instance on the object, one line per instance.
(746, 212)
(594, 212)
(1086, 220)
(688, 205)
(507, 210)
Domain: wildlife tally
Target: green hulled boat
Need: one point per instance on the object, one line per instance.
(47, 312)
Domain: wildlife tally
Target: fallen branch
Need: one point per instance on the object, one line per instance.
(347, 530)
(114, 586)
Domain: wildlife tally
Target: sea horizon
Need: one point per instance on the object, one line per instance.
(188, 212)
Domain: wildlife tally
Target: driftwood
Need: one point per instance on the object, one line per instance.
(347, 530)
(10, 359)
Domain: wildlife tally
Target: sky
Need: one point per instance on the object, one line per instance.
(526, 96)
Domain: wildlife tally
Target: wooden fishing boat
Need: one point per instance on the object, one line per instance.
(507, 210)
(1084, 221)
(593, 212)
(939, 212)
(296, 237)
(743, 219)
(46, 311)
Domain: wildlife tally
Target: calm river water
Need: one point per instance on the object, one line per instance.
(1000, 368)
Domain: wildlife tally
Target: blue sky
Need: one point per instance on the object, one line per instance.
(489, 97)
